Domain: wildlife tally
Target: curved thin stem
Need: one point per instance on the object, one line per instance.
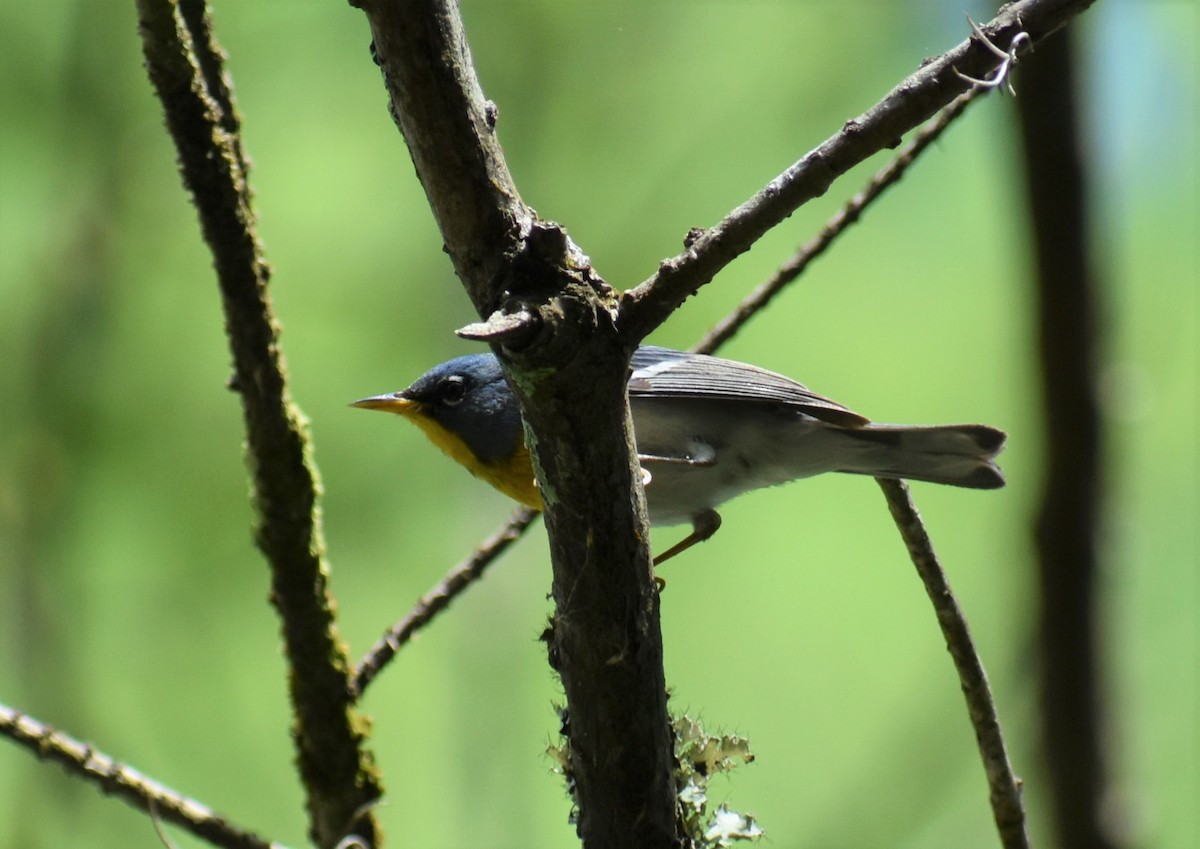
(1004, 786)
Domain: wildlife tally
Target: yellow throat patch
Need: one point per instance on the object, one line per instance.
(511, 475)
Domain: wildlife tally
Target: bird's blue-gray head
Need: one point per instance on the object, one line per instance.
(467, 396)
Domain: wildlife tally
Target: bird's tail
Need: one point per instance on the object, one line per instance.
(959, 455)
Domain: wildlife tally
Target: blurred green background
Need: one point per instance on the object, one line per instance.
(133, 612)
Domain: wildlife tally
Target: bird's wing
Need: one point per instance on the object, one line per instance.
(665, 373)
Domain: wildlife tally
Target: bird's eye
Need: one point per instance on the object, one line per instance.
(454, 391)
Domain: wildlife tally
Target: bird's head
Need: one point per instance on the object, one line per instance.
(467, 409)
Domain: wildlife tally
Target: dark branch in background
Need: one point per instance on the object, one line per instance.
(1069, 319)
(911, 102)
(1004, 787)
(439, 598)
(184, 64)
(125, 783)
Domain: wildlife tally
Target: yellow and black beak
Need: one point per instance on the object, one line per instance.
(392, 402)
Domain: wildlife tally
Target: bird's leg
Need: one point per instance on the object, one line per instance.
(704, 525)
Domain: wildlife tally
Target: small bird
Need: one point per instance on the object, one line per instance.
(707, 429)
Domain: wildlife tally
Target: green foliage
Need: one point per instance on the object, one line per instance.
(699, 756)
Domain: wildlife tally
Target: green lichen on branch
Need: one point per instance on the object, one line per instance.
(699, 756)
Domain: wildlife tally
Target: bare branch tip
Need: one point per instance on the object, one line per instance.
(501, 327)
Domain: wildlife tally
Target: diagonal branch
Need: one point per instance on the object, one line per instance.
(913, 101)
(1005, 788)
(567, 367)
(184, 62)
(787, 273)
(125, 783)
(438, 599)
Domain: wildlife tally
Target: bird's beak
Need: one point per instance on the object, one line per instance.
(392, 402)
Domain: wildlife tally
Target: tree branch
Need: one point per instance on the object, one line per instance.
(438, 599)
(787, 273)
(449, 128)
(125, 783)
(1005, 788)
(913, 101)
(184, 63)
(568, 370)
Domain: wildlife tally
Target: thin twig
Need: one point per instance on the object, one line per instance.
(185, 63)
(1000, 78)
(1004, 786)
(159, 829)
(725, 329)
(438, 599)
(125, 782)
(914, 100)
